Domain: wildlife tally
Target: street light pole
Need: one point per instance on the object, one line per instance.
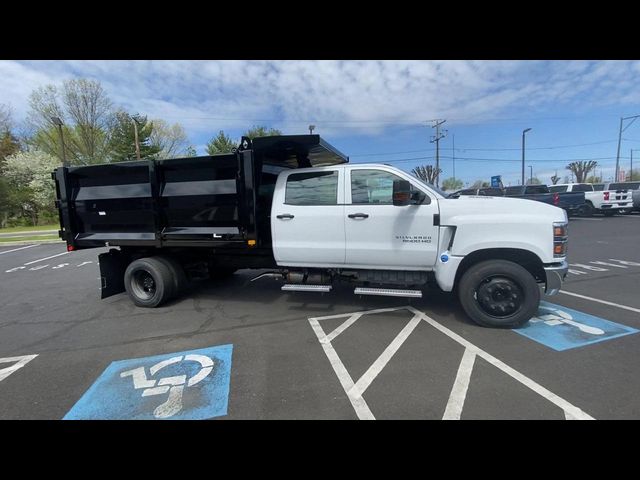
(523, 132)
(56, 121)
(531, 175)
(631, 168)
(622, 119)
(311, 128)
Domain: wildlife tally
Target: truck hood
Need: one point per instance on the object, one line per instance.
(502, 209)
(477, 223)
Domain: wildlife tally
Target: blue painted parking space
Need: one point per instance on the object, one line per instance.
(562, 328)
(189, 385)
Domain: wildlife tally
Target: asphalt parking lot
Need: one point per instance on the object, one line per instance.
(300, 355)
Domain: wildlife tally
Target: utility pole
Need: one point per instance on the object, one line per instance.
(523, 132)
(453, 149)
(135, 131)
(311, 128)
(531, 175)
(631, 169)
(633, 118)
(436, 138)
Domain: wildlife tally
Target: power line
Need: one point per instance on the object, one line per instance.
(488, 149)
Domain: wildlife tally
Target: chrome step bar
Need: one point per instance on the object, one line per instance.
(388, 292)
(293, 287)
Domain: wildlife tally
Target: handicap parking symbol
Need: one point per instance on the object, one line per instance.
(190, 385)
(562, 328)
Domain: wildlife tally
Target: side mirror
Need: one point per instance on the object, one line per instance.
(401, 193)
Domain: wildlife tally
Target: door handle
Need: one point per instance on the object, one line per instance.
(358, 215)
(284, 215)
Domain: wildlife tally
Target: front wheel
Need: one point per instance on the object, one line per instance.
(499, 293)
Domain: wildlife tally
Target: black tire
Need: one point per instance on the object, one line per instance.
(148, 282)
(586, 210)
(180, 281)
(608, 213)
(499, 294)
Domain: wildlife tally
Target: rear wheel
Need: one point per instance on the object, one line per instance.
(586, 210)
(499, 293)
(180, 281)
(148, 282)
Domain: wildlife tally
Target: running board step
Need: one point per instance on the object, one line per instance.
(388, 292)
(293, 287)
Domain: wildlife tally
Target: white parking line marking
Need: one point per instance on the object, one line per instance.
(16, 249)
(624, 307)
(84, 263)
(359, 404)
(377, 366)
(526, 381)
(577, 272)
(460, 387)
(598, 262)
(626, 262)
(589, 267)
(20, 362)
(15, 269)
(59, 266)
(46, 258)
(343, 327)
(354, 392)
(39, 267)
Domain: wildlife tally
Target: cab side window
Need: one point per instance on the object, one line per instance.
(372, 187)
(315, 188)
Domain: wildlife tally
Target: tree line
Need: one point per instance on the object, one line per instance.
(580, 171)
(78, 122)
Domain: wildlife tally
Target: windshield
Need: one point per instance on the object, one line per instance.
(431, 187)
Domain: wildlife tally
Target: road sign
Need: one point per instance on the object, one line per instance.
(496, 181)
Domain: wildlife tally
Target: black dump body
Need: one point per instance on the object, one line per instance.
(220, 201)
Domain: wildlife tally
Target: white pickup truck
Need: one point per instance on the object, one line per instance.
(295, 206)
(605, 201)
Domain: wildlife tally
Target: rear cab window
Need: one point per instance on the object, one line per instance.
(558, 188)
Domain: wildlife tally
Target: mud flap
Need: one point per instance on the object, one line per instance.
(112, 267)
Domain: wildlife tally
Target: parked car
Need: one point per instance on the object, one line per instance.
(573, 203)
(623, 192)
(606, 202)
(483, 192)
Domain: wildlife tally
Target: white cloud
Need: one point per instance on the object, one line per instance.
(206, 96)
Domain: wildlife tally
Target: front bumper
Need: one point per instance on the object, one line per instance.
(555, 275)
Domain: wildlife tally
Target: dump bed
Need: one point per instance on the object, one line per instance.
(195, 201)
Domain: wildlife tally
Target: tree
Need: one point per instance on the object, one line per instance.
(170, 140)
(534, 181)
(480, 184)
(28, 177)
(221, 143)
(636, 176)
(581, 169)
(6, 121)
(8, 143)
(426, 173)
(595, 179)
(555, 179)
(261, 131)
(123, 137)
(191, 151)
(87, 113)
(452, 184)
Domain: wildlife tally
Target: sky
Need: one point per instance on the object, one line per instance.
(381, 111)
